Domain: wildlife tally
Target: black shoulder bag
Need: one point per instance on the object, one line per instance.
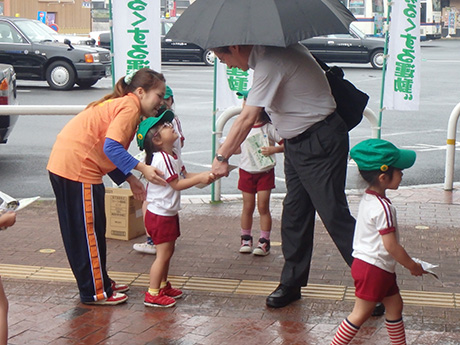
(350, 101)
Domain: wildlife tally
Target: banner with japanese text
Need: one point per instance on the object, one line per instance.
(228, 82)
(402, 80)
(136, 36)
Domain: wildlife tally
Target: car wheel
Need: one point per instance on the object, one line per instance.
(60, 75)
(87, 83)
(208, 57)
(377, 59)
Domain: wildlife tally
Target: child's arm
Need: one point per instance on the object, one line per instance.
(7, 219)
(269, 150)
(400, 255)
(192, 179)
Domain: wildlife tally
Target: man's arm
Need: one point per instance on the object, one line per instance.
(235, 137)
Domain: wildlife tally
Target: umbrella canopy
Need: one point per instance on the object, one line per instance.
(216, 23)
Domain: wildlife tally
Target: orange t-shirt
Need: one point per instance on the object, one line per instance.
(78, 153)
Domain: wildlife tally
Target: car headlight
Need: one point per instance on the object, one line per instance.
(90, 58)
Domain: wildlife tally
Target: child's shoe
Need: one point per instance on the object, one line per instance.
(263, 247)
(160, 301)
(115, 299)
(246, 244)
(168, 290)
(119, 287)
(147, 247)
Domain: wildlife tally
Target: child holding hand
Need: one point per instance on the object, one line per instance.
(157, 136)
(376, 247)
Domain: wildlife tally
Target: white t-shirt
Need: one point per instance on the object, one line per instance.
(269, 133)
(376, 217)
(291, 86)
(164, 200)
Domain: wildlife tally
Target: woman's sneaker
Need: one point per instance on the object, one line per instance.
(168, 290)
(115, 299)
(246, 244)
(119, 287)
(146, 248)
(263, 247)
(160, 301)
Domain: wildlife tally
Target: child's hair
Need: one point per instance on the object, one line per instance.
(371, 176)
(145, 78)
(149, 146)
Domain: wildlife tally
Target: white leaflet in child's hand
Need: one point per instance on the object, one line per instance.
(427, 267)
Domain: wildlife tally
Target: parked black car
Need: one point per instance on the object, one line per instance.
(171, 50)
(37, 55)
(7, 97)
(355, 47)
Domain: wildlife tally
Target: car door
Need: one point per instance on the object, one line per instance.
(15, 49)
(344, 48)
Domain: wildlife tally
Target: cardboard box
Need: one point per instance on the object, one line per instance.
(124, 214)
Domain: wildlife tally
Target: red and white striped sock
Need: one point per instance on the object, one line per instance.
(396, 331)
(345, 333)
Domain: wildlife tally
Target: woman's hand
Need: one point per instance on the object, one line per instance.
(151, 174)
(137, 187)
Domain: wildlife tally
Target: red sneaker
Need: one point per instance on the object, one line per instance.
(119, 287)
(168, 290)
(116, 298)
(161, 300)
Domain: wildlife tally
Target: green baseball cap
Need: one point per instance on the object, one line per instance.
(168, 92)
(378, 154)
(144, 126)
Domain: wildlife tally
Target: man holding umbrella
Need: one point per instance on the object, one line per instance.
(294, 91)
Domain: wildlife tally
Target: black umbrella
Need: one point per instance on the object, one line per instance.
(216, 23)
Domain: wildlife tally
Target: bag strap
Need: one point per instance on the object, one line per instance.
(337, 71)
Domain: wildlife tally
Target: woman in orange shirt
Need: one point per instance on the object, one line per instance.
(94, 143)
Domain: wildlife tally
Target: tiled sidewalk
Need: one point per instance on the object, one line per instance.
(225, 291)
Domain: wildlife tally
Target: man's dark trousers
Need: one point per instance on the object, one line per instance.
(315, 169)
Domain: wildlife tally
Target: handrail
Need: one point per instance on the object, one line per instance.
(450, 148)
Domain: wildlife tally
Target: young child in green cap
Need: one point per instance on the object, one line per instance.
(157, 135)
(376, 248)
(148, 247)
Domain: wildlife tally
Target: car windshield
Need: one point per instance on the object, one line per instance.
(356, 31)
(167, 26)
(35, 31)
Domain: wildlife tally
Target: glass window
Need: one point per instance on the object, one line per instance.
(357, 7)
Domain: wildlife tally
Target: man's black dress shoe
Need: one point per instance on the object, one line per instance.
(282, 296)
(379, 310)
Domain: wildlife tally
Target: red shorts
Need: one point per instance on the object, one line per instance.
(253, 183)
(371, 282)
(162, 229)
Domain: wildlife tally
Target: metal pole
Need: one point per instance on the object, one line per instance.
(213, 151)
(384, 69)
(450, 148)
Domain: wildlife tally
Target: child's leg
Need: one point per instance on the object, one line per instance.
(3, 316)
(350, 326)
(158, 272)
(394, 322)
(249, 204)
(160, 267)
(263, 206)
(147, 247)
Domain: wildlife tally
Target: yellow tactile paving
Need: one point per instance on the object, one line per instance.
(231, 286)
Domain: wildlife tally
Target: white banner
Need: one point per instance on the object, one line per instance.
(228, 82)
(402, 81)
(136, 35)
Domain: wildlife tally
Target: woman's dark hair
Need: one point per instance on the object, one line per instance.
(221, 50)
(371, 176)
(149, 147)
(145, 78)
